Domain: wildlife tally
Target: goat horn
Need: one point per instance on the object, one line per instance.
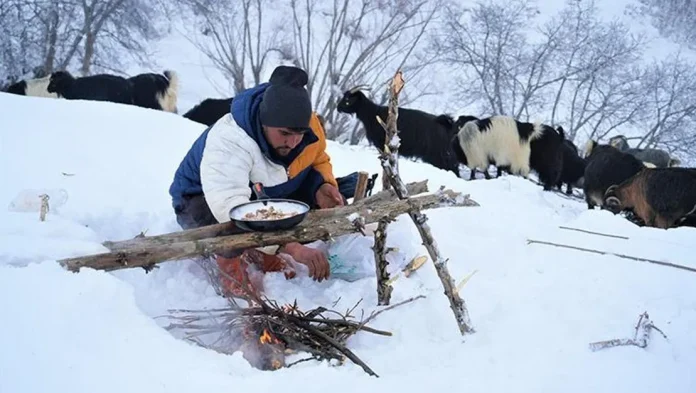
(613, 201)
(359, 87)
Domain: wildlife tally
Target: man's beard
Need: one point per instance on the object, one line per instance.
(283, 151)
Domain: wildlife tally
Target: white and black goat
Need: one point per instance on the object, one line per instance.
(659, 158)
(37, 87)
(148, 90)
(422, 135)
(518, 147)
(156, 91)
(458, 124)
(209, 110)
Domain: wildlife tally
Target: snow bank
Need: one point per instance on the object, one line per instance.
(535, 307)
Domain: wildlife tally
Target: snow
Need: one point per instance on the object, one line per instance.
(535, 307)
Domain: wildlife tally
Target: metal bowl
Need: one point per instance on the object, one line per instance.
(285, 205)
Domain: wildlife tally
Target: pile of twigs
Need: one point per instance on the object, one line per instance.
(266, 332)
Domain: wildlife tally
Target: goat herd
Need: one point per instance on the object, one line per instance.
(647, 183)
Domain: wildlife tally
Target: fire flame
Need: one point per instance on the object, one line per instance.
(267, 338)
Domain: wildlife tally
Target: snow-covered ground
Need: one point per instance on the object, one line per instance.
(535, 307)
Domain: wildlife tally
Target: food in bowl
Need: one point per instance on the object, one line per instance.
(269, 213)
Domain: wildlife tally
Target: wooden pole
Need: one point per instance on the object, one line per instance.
(319, 225)
(389, 158)
(361, 187)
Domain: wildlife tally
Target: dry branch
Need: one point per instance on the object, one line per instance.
(313, 218)
(593, 233)
(265, 331)
(361, 186)
(319, 225)
(674, 265)
(384, 288)
(389, 158)
(644, 326)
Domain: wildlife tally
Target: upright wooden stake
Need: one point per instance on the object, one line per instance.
(361, 187)
(384, 288)
(389, 158)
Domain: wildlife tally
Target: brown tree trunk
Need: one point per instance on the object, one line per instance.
(90, 40)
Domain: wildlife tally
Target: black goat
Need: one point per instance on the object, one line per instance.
(660, 197)
(422, 135)
(657, 157)
(209, 110)
(573, 167)
(546, 156)
(605, 167)
(100, 87)
(156, 91)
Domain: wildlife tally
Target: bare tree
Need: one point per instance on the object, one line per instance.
(579, 71)
(111, 28)
(598, 90)
(488, 45)
(674, 19)
(238, 36)
(604, 102)
(40, 36)
(344, 43)
(669, 119)
(60, 36)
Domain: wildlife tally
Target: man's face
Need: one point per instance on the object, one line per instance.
(282, 140)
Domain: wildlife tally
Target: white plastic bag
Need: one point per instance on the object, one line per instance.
(351, 257)
(29, 200)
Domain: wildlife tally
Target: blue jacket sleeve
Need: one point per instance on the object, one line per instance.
(310, 186)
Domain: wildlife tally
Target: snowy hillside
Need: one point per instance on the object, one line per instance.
(535, 307)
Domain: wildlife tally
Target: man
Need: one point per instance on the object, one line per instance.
(272, 137)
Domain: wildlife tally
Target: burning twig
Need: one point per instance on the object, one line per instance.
(674, 265)
(644, 326)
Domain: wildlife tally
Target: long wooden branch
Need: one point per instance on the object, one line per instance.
(638, 259)
(323, 225)
(225, 229)
(388, 158)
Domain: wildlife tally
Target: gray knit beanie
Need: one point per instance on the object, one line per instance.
(286, 102)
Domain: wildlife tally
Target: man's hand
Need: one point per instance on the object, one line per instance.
(328, 196)
(315, 260)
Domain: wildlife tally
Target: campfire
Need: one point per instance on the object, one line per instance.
(266, 333)
(265, 353)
